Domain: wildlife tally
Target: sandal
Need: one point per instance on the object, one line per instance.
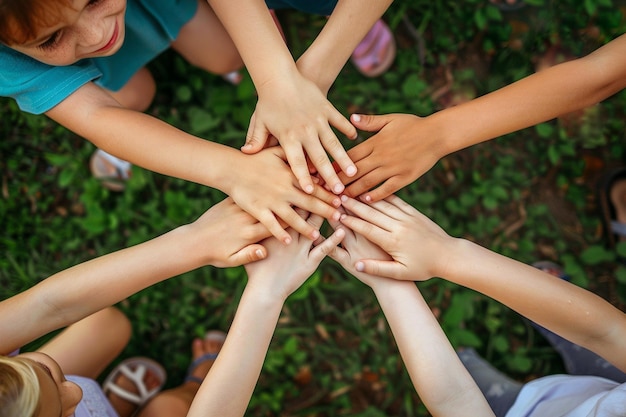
(110, 170)
(376, 52)
(612, 202)
(213, 335)
(135, 370)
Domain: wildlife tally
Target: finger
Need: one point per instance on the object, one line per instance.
(319, 159)
(272, 224)
(386, 189)
(339, 154)
(298, 165)
(298, 224)
(369, 123)
(371, 232)
(365, 183)
(342, 124)
(368, 212)
(255, 138)
(401, 204)
(316, 206)
(251, 253)
(315, 220)
(327, 197)
(326, 247)
(386, 269)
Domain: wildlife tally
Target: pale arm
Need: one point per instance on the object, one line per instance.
(77, 292)
(227, 389)
(407, 146)
(155, 145)
(420, 250)
(290, 107)
(346, 27)
(439, 377)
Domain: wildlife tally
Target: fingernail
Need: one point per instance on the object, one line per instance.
(342, 217)
(315, 234)
(308, 189)
(287, 240)
(359, 266)
(344, 198)
(336, 216)
(246, 146)
(336, 202)
(259, 253)
(356, 117)
(338, 188)
(351, 170)
(368, 198)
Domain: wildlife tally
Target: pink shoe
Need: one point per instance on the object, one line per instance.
(376, 52)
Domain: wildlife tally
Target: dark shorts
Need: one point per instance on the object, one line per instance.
(323, 7)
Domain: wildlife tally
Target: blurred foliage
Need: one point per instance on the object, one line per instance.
(529, 195)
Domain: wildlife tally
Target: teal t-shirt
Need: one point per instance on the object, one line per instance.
(151, 26)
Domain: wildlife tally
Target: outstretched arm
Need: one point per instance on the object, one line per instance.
(261, 184)
(407, 146)
(227, 389)
(346, 27)
(75, 293)
(420, 250)
(439, 377)
(290, 106)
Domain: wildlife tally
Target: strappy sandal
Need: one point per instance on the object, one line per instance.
(135, 370)
(111, 171)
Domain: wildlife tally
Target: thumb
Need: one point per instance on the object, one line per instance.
(250, 253)
(385, 269)
(368, 122)
(255, 137)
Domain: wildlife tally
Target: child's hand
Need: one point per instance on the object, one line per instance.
(417, 245)
(297, 113)
(354, 248)
(397, 155)
(263, 185)
(287, 267)
(228, 236)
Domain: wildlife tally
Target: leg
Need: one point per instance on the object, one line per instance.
(176, 402)
(87, 347)
(138, 92)
(205, 43)
(499, 390)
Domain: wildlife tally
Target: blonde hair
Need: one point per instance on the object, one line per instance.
(19, 388)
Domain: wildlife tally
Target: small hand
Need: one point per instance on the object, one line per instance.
(266, 188)
(354, 248)
(237, 232)
(297, 113)
(287, 267)
(397, 155)
(416, 244)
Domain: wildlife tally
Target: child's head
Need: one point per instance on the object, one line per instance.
(61, 32)
(30, 380)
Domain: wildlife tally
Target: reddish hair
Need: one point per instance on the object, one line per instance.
(20, 20)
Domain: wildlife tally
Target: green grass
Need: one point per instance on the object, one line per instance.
(529, 195)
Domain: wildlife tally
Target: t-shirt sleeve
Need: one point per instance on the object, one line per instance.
(38, 87)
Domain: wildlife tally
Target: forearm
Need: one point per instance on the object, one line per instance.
(538, 98)
(77, 292)
(346, 27)
(146, 141)
(568, 310)
(439, 377)
(257, 38)
(227, 389)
